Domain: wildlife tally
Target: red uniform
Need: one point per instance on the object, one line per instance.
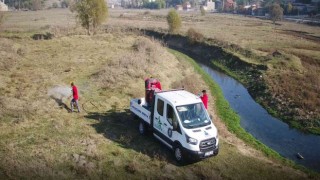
(75, 92)
(204, 99)
(152, 85)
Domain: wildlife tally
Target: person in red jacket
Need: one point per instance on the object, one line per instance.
(75, 96)
(204, 98)
(151, 85)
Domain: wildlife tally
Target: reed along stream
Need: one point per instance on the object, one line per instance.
(270, 131)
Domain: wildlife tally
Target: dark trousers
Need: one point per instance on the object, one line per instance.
(74, 101)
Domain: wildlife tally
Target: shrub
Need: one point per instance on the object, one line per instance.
(194, 36)
(147, 13)
(190, 83)
(55, 5)
(174, 21)
(136, 64)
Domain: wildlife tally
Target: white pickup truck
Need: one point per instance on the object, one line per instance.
(179, 120)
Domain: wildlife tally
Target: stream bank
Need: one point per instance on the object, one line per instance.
(250, 75)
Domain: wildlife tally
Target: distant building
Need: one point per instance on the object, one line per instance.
(209, 5)
(111, 5)
(3, 6)
(186, 5)
(229, 5)
(179, 7)
(225, 5)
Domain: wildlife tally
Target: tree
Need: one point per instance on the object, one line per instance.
(2, 17)
(65, 3)
(305, 1)
(36, 5)
(203, 11)
(174, 21)
(289, 8)
(242, 2)
(268, 3)
(276, 12)
(91, 13)
(158, 4)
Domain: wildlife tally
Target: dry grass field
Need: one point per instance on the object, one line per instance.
(289, 50)
(40, 139)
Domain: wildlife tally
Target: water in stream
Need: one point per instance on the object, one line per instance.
(267, 129)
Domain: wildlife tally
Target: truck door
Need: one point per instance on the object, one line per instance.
(161, 124)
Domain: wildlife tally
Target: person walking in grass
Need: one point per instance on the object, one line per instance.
(75, 97)
(204, 98)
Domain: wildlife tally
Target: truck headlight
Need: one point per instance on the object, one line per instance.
(191, 140)
(217, 138)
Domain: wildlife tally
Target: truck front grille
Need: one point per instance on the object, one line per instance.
(208, 144)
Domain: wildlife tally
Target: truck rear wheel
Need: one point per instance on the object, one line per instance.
(178, 154)
(142, 128)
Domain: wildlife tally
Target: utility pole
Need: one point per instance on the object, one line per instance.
(222, 5)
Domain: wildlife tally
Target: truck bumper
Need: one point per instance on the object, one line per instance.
(198, 155)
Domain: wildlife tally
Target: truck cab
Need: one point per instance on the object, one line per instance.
(179, 120)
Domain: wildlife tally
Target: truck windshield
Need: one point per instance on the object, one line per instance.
(193, 116)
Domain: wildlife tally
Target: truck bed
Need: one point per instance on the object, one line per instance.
(141, 110)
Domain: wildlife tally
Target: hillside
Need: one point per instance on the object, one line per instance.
(40, 139)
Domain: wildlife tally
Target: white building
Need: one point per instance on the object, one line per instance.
(209, 5)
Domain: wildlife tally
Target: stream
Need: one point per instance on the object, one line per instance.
(302, 148)
(270, 131)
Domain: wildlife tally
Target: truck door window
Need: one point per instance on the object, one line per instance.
(160, 107)
(172, 118)
(170, 114)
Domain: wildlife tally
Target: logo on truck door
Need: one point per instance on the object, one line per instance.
(158, 123)
(206, 133)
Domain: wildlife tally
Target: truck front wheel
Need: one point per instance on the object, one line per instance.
(178, 154)
(142, 128)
